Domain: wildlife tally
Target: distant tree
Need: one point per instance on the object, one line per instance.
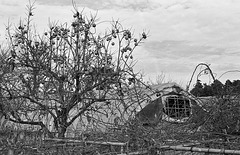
(207, 90)
(236, 86)
(228, 83)
(68, 72)
(217, 88)
(198, 89)
(228, 87)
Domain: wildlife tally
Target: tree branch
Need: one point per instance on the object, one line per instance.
(36, 102)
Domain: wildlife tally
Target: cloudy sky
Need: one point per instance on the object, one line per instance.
(182, 33)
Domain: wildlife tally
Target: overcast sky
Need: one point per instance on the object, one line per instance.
(182, 33)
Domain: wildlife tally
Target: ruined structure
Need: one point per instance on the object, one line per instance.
(171, 103)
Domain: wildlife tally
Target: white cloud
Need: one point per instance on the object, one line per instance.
(140, 5)
(192, 31)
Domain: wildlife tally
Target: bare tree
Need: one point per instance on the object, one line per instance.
(67, 72)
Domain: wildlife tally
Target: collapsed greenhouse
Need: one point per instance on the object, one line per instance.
(172, 103)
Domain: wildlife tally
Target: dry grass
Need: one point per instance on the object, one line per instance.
(139, 139)
(216, 132)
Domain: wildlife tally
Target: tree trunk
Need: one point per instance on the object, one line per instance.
(61, 132)
(47, 133)
(61, 122)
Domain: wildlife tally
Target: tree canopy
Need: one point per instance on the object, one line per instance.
(69, 72)
(216, 88)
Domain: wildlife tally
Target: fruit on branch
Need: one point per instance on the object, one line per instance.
(144, 35)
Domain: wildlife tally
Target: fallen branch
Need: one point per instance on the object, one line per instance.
(196, 149)
(88, 142)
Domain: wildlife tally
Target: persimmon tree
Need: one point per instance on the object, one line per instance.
(67, 71)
